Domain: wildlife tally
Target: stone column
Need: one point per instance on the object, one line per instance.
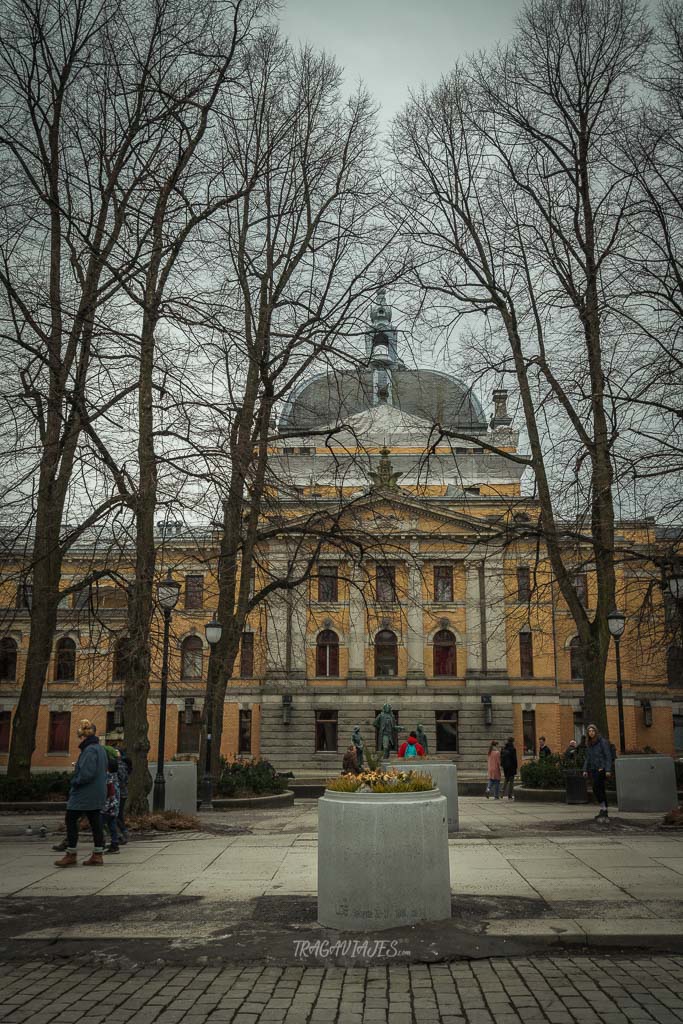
(415, 631)
(357, 628)
(298, 607)
(496, 643)
(276, 622)
(473, 617)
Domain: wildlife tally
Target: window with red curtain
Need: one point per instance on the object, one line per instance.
(444, 653)
(247, 655)
(194, 592)
(58, 733)
(327, 654)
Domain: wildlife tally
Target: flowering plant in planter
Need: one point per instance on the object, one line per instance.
(382, 782)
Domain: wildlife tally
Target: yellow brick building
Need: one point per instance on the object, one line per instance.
(430, 604)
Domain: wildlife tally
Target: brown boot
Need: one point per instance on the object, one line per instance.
(94, 860)
(67, 861)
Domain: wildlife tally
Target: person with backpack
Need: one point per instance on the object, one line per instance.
(508, 762)
(110, 811)
(411, 748)
(493, 765)
(599, 763)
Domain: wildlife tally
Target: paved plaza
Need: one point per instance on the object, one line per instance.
(599, 990)
(555, 918)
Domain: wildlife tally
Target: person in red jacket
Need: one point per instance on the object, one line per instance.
(411, 748)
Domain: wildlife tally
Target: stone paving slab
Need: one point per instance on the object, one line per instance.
(553, 990)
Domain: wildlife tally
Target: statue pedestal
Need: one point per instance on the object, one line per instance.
(445, 776)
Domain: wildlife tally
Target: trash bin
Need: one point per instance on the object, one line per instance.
(577, 791)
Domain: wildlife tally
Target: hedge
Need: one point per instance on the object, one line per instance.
(41, 786)
(247, 778)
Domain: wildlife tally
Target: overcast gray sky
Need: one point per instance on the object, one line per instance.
(395, 45)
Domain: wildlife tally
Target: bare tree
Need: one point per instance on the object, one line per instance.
(508, 194)
(300, 249)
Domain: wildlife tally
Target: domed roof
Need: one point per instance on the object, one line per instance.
(331, 398)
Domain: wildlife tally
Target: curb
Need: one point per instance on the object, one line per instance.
(624, 932)
(285, 799)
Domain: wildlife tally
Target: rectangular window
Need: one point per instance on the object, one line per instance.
(678, 733)
(443, 583)
(578, 726)
(194, 592)
(5, 726)
(385, 583)
(58, 733)
(328, 584)
(247, 655)
(529, 731)
(526, 655)
(581, 587)
(24, 596)
(189, 733)
(446, 731)
(326, 731)
(244, 738)
(523, 583)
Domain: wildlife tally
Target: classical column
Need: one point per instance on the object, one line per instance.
(415, 631)
(473, 617)
(357, 627)
(277, 661)
(496, 645)
(298, 602)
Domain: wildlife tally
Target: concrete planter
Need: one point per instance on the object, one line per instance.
(445, 777)
(646, 782)
(181, 786)
(382, 860)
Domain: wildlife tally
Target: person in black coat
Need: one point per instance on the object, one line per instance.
(598, 764)
(508, 762)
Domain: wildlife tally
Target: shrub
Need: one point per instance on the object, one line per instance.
(382, 782)
(543, 773)
(250, 778)
(41, 786)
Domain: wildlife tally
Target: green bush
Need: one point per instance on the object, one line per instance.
(42, 786)
(543, 773)
(250, 778)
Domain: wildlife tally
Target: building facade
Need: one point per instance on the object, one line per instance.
(428, 597)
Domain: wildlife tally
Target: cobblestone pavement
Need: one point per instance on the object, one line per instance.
(610, 990)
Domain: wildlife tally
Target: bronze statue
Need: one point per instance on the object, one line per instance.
(421, 737)
(357, 741)
(386, 727)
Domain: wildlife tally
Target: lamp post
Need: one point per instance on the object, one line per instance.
(616, 621)
(167, 595)
(214, 631)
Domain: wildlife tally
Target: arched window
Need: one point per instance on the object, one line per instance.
(386, 653)
(444, 653)
(327, 654)
(191, 653)
(118, 670)
(8, 658)
(65, 659)
(575, 660)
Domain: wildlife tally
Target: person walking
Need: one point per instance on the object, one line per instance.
(543, 749)
(87, 795)
(110, 811)
(508, 762)
(598, 764)
(124, 768)
(493, 785)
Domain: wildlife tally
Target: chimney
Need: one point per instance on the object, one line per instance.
(500, 409)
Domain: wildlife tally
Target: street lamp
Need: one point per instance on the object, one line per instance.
(616, 622)
(167, 595)
(214, 632)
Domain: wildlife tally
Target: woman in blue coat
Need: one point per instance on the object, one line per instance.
(599, 763)
(86, 797)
